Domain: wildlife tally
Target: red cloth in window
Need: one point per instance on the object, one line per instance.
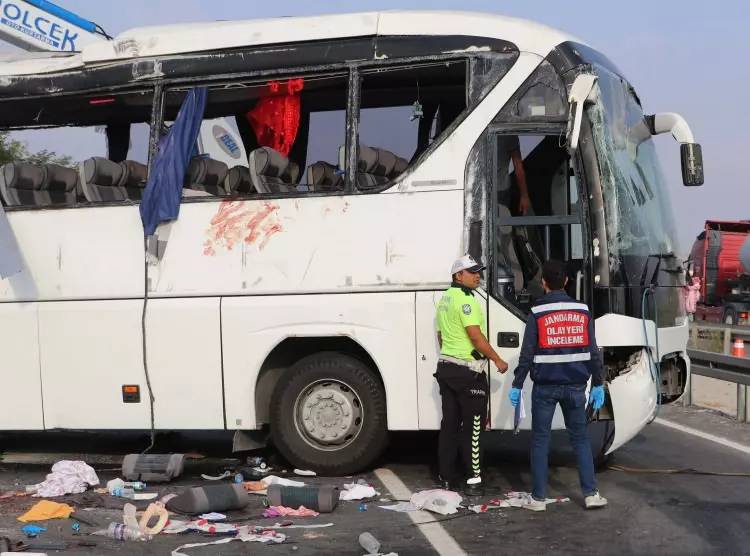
(275, 119)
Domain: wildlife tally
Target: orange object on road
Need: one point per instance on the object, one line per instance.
(46, 509)
(738, 348)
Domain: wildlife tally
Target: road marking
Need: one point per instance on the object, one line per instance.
(439, 538)
(704, 435)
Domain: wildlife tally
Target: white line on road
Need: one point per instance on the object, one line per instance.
(704, 435)
(439, 538)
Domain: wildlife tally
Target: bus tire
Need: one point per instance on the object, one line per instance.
(328, 414)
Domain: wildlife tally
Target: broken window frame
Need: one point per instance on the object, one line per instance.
(476, 86)
(152, 89)
(548, 129)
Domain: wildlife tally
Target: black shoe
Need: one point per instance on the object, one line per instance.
(474, 489)
(446, 484)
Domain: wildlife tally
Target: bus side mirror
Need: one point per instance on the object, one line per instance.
(581, 90)
(690, 151)
(691, 155)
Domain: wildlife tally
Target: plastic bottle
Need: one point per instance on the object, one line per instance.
(124, 493)
(114, 484)
(370, 544)
(121, 532)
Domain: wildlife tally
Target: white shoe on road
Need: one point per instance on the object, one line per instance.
(594, 501)
(534, 505)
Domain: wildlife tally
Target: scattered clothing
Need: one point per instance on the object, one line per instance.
(244, 534)
(293, 526)
(356, 491)
(175, 527)
(440, 501)
(67, 477)
(46, 509)
(260, 487)
(213, 516)
(283, 511)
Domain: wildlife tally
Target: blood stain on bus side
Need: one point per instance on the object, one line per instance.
(240, 221)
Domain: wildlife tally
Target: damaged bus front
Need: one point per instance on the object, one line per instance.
(595, 197)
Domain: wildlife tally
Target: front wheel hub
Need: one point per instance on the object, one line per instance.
(328, 414)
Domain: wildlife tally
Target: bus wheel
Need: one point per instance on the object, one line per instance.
(328, 414)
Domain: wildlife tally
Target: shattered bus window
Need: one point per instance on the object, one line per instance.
(106, 137)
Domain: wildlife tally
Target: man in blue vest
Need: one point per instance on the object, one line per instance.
(559, 349)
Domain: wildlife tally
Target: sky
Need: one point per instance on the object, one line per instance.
(688, 57)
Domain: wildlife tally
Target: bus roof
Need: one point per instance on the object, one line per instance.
(144, 42)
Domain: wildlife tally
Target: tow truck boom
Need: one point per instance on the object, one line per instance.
(40, 25)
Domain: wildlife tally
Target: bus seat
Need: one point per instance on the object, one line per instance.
(377, 167)
(507, 250)
(134, 179)
(101, 180)
(323, 176)
(272, 172)
(206, 174)
(20, 183)
(238, 181)
(60, 186)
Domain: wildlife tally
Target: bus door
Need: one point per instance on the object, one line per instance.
(523, 234)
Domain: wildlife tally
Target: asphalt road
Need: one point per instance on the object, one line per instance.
(648, 513)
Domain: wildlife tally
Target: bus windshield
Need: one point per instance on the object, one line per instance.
(638, 212)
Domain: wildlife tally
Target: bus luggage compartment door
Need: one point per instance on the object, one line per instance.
(633, 396)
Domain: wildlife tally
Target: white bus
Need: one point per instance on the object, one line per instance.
(296, 291)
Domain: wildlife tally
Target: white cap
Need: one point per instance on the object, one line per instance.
(466, 262)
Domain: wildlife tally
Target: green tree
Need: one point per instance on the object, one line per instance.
(13, 150)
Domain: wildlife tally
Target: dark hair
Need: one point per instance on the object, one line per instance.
(554, 273)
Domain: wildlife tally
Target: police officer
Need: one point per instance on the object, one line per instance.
(464, 350)
(560, 351)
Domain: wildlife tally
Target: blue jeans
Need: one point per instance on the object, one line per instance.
(572, 400)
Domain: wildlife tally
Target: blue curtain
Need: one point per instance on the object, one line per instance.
(161, 198)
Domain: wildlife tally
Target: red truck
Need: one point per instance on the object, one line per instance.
(721, 259)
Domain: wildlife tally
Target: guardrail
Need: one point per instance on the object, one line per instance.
(722, 367)
(727, 333)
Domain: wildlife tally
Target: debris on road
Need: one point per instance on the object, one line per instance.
(357, 491)
(512, 500)
(305, 473)
(213, 516)
(322, 498)
(67, 477)
(401, 507)
(224, 475)
(157, 468)
(46, 509)
(209, 498)
(283, 511)
(121, 532)
(32, 531)
(244, 534)
(260, 487)
(370, 544)
(440, 501)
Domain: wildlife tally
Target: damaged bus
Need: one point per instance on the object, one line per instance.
(344, 162)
